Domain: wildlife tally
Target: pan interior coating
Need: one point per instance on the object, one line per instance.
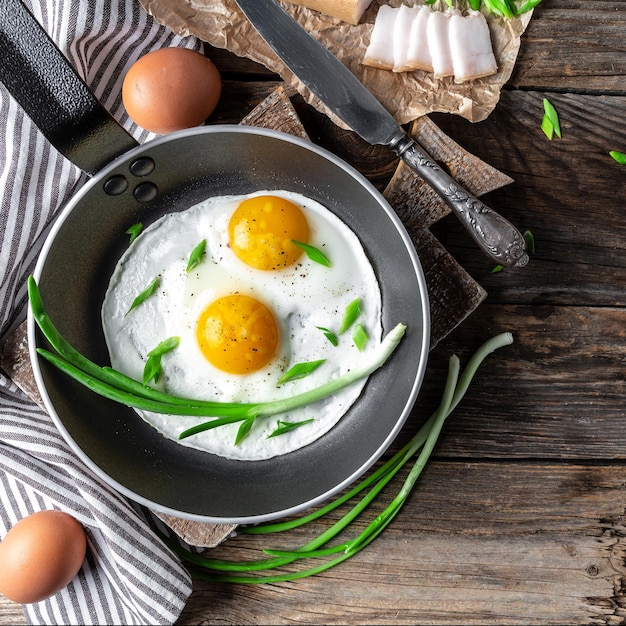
(73, 273)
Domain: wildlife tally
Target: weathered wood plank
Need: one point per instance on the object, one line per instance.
(556, 393)
(568, 192)
(238, 99)
(462, 551)
(574, 45)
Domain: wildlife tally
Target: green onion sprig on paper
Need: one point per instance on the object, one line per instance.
(508, 9)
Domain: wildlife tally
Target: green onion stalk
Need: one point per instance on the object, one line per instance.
(420, 446)
(116, 386)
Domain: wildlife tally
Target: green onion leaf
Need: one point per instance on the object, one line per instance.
(547, 128)
(300, 370)
(360, 337)
(527, 6)
(620, 157)
(352, 312)
(330, 335)
(496, 7)
(315, 254)
(165, 346)
(244, 429)
(550, 123)
(497, 269)
(145, 294)
(286, 427)
(530, 241)
(134, 231)
(195, 258)
(152, 369)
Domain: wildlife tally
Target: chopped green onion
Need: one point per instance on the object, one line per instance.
(620, 157)
(497, 269)
(547, 128)
(152, 369)
(165, 346)
(244, 429)
(286, 427)
(145, 294)
(360, 337)
(315, 254)
(330, 335)
(550, 123)
(351, 314)
(134, 231)
(300, 370)
(195, 258)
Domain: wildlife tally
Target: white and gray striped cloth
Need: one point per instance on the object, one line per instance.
(128, 577)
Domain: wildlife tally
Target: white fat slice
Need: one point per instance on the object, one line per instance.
(380, 51)
(438, 32)
(470, 45)
(402, 28)
(418, 56)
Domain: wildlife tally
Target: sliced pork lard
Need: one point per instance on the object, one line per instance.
(402, 32)
(380, 51)
(470, 45)
(438, 32)
(418, 56)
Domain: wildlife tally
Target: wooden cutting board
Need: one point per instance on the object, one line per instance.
(453, 293)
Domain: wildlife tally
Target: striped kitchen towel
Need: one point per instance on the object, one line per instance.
(129, 576)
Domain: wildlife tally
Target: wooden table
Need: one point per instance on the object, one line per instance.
(519, 517)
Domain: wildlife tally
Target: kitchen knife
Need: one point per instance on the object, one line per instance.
(340, 90)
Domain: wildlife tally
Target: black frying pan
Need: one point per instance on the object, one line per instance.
(132, 183)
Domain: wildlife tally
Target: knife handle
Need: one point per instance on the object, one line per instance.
(496, 236)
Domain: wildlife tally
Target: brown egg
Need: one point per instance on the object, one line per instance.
(171, 89)
(40, 555)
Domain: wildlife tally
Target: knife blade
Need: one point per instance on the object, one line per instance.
(344, 94)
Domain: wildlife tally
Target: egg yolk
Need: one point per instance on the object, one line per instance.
(261, 231)
(237, 334)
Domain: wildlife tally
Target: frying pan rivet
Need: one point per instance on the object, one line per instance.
(115, 185)
(146, 192)
(142, 166)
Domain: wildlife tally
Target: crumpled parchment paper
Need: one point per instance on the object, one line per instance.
(407, 95)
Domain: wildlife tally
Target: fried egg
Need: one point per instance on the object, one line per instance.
(255, 305)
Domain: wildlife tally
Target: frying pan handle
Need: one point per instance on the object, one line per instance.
(41, 80)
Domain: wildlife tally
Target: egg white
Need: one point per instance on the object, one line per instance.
(302, 297)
